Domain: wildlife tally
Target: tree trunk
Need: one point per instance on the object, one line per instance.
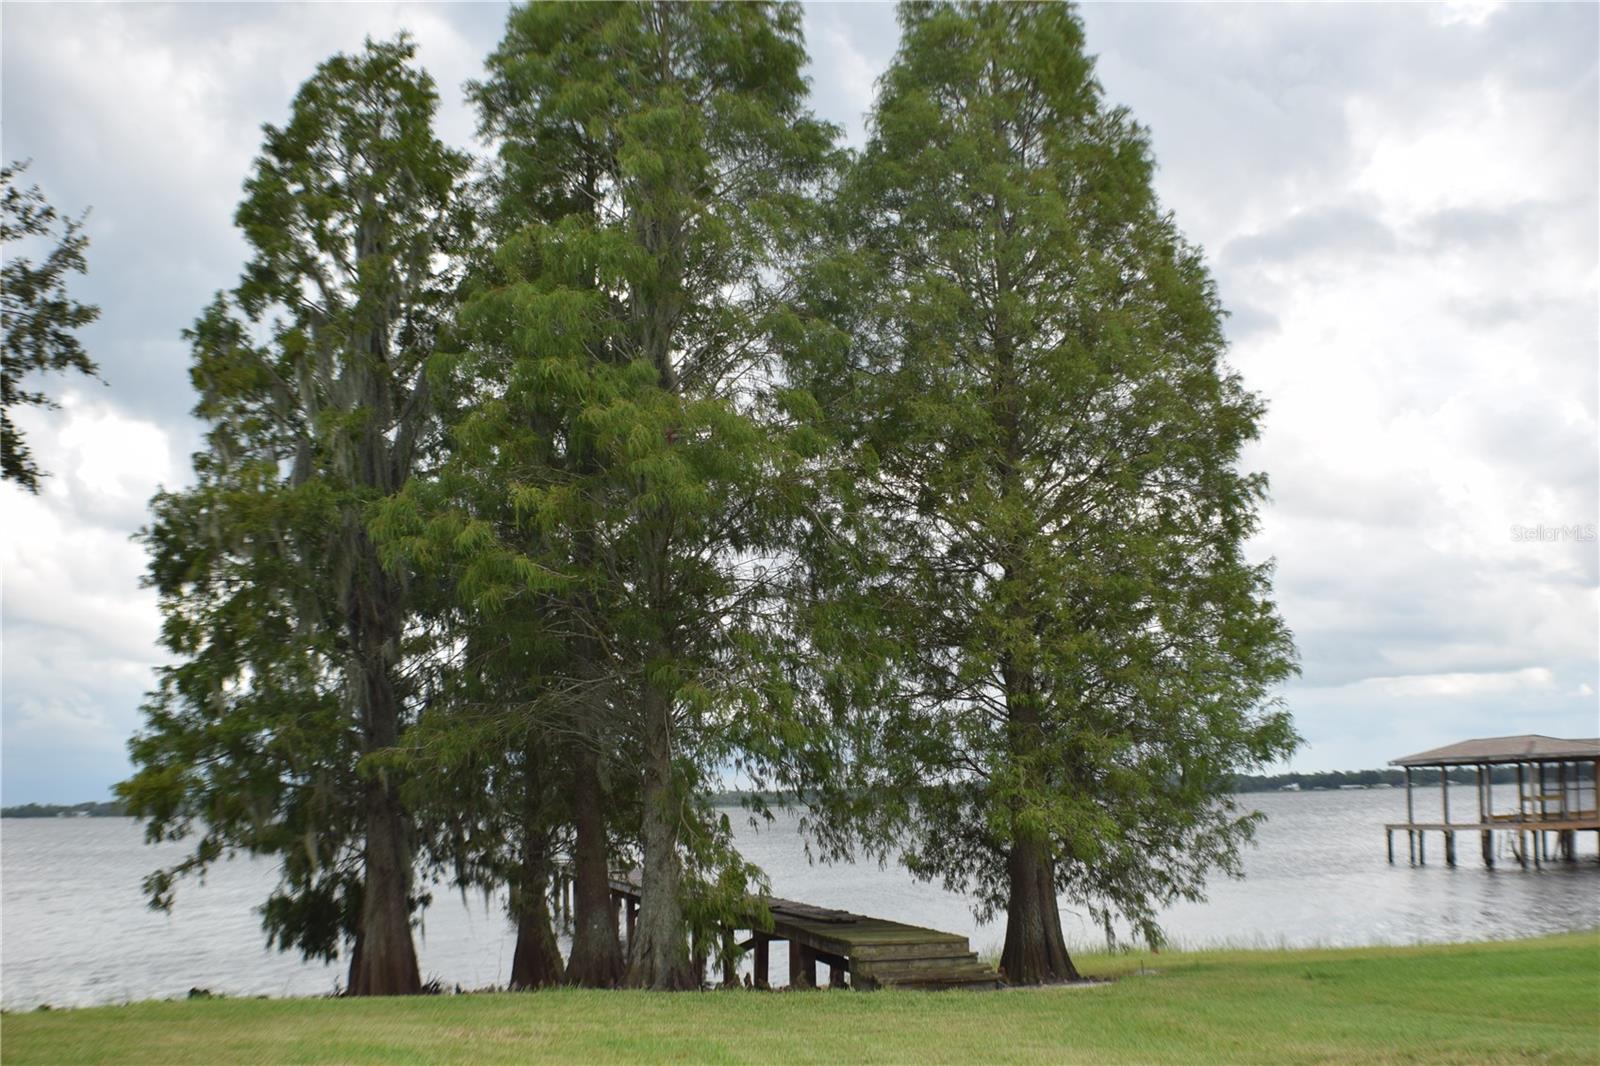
(659, 958)
(537, 960)
(355, 963)
(596, 952)
(375, 605)
(387, 957)
(1035, 951)
(536, 963)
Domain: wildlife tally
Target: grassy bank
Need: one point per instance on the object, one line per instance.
(1515, 1001)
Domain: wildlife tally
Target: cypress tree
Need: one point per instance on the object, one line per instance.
(270, 733)
(659, 161)
(1052, 646)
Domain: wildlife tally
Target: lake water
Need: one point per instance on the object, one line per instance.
(74, 929)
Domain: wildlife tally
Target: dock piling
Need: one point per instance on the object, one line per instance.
(763, 976)
(802, 966)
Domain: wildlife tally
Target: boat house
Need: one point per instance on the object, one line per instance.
(1555, 799)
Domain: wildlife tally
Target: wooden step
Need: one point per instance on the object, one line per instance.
(974, 976)
(940, 972)
(933, 949)
(917, 965)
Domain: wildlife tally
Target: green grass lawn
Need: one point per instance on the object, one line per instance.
(1514, 1001)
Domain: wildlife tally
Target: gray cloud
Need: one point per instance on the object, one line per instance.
(1336, 231)
(1488, 311)
(1247, 320)
(1470, 227)
(1545, 451)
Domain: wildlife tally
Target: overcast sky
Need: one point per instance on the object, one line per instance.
(1399, 203)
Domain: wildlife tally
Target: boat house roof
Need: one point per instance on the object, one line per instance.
(1488, 751)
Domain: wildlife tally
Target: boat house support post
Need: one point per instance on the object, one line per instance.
(1544, 811)
(1411, 820)
(1564, 839)
(1485, 803)
(1449, 834)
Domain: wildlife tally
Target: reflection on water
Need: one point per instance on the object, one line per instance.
(74, 929)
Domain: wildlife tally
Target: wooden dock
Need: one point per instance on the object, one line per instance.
(860, 952)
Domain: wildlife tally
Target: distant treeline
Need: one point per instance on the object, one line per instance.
(1368, 778)
(1327, 779)
(1330, 779)
(738, 799)
(112, 809)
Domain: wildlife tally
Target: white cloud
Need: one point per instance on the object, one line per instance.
(1486, 684)
(1467, 12)
(77, 718)
(80, 633)
(103, 464)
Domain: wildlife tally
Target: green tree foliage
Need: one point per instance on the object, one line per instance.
(506, 544)
(293, 672)
(1054, 649)
(626, 477)
(38, 317)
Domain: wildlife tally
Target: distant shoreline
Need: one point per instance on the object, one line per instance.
(1327, 780)
(111, 809)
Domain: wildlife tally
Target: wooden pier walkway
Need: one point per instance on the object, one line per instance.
(873, 952)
